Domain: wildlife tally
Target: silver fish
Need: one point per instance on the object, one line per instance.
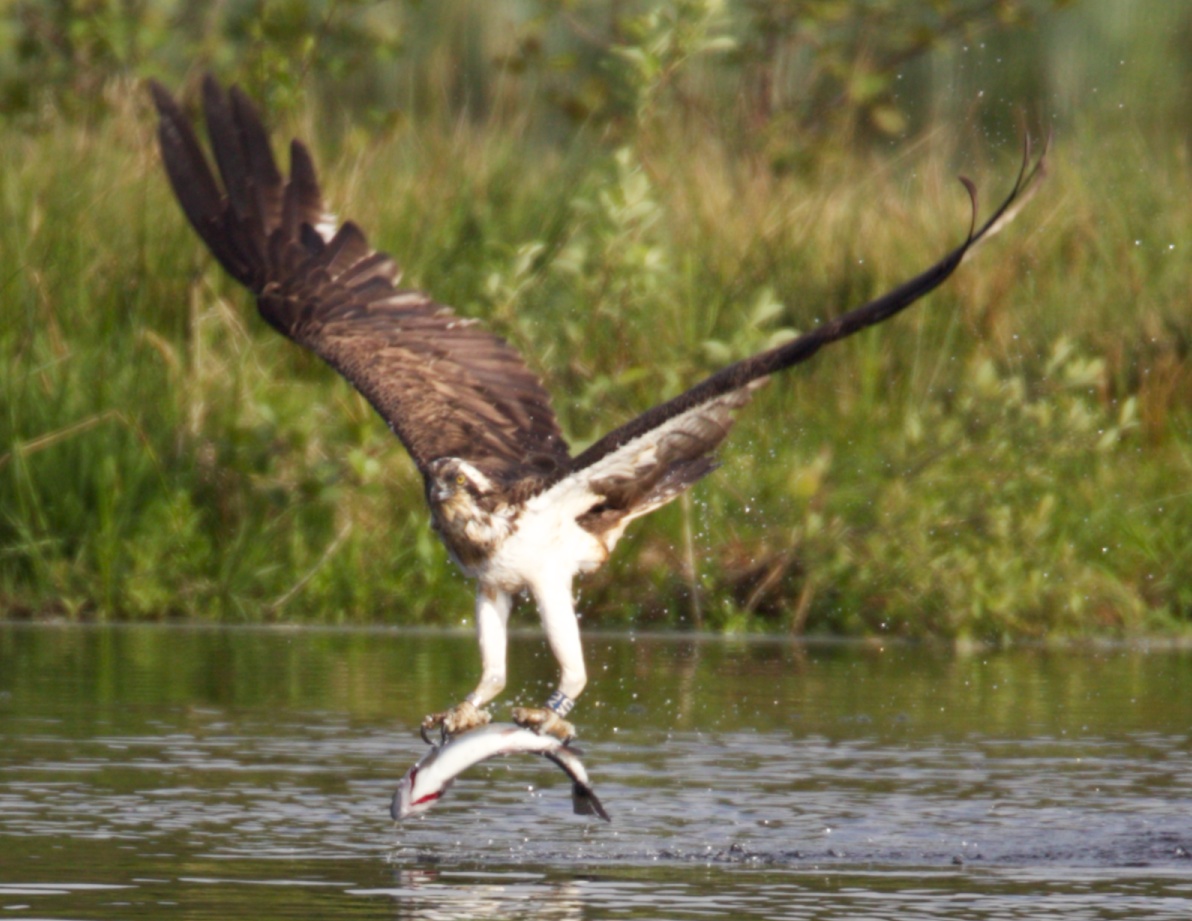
(431, 777)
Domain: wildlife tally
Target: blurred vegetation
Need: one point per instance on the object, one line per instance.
(634, 194)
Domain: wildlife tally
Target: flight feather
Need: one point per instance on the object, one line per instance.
(446, 386)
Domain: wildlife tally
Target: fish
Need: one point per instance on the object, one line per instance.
(426, 782)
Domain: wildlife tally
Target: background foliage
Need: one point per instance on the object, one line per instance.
(634, 193)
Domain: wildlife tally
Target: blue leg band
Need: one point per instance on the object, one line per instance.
(560, 703)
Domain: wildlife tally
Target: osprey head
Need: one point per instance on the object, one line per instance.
(467, 510)
(452, 483)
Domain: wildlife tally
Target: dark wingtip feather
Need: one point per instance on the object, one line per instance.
(263, 170)
(302, 168)
(226, 146)
(742, 373)
(192, 180)
(162, 100)
(303, 202)
(975, 208)
(1031, 174)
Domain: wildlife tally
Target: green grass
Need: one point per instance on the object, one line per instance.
(1011, 458)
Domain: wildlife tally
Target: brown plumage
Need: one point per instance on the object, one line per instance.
(446, 387)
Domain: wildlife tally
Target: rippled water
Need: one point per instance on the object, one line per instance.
(238, 773)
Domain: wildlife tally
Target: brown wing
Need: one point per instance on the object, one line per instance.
(698, 420)
(446, 387)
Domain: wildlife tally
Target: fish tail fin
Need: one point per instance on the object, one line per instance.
(585, 801)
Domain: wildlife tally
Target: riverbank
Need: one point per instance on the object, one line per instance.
(1009, 459)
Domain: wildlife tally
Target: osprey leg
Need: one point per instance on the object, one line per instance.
(557, 610)
(492, 619)
(492, 622)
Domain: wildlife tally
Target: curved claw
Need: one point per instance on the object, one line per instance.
(427, 739)
(460, 718)
(544, 721)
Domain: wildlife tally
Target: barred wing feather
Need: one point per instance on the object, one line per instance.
(446, 386)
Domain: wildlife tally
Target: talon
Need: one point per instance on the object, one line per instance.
(544, 722)
(460, 718)
(424, 731)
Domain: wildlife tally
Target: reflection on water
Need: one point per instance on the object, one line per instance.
(229, 772)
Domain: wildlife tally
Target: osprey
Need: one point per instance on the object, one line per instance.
(515, 509)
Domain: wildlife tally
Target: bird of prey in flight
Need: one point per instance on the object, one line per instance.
(515, 508)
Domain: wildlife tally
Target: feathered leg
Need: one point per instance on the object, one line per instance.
(492, 619)
(557, 610)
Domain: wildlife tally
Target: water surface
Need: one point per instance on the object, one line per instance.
(247, 773)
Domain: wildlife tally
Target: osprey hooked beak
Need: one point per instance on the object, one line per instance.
(444, 489)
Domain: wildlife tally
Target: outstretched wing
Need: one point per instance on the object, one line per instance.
(446, 387)
(636, 461)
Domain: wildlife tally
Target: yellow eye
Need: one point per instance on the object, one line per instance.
(460, 479)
